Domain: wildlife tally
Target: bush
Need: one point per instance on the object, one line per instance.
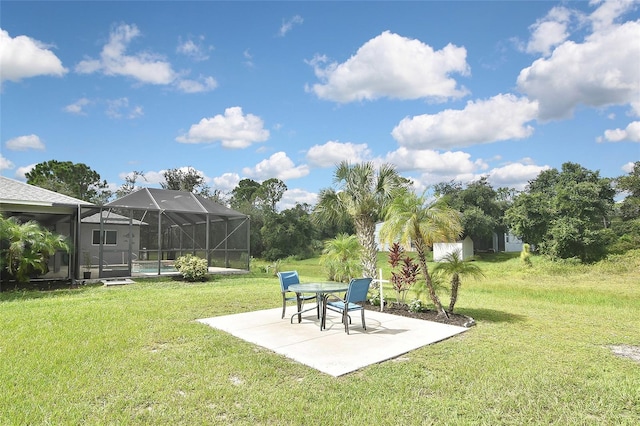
(192, 267)
(416, 306)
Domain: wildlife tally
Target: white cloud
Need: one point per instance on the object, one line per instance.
(157, 177)
(195, 50)
(630, 133)
(515, 175)
(203, 84)
(392, 66)
(600, 72)
(227, 182)
(502, 117)
(248, 58)
(333, 152)
(5, 164)
(23, 143)
(233, 130)
(288, 24)
(291, 197)
(628, 167)
(277, 166)
(22, 171)
(23, 57)
(119, 108)
(78, 106)
(550, 31)
(145, 67)
(153, 177)
(608, 11)
(427, 160)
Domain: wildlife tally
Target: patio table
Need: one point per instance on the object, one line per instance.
(322, 291)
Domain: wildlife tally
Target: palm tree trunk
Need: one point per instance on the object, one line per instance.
(366, 235)
(455, 284)
(422, 257)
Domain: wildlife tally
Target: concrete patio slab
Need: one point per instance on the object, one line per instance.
(332, 351)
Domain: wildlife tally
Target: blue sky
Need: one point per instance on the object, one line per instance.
(442, 90)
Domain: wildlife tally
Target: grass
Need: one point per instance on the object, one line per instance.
(135, 355)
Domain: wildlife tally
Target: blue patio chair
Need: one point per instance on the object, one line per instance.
(286, 279)
(357, 293)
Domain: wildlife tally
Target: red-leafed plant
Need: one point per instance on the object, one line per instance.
(406, 276)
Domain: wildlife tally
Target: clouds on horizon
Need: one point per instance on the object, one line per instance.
(597, 71)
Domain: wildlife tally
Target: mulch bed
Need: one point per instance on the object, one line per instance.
(428, 315)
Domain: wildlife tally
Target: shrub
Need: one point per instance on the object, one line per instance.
(408, 274)
(192, 267)
(25, 249)
(416, 305)
(525, 255)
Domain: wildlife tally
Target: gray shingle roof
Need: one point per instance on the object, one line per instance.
(16, 192)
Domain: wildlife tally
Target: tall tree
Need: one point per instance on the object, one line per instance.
(270, 193)
(129, 184)
(73, 179)
(481, 206)
(244, 194)
(630, 185)
(362, 193)
(412, 219)
(288, 233)
(189, 180)
(258, 200)
(565, 213)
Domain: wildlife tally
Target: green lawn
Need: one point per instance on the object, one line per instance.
(539, 354)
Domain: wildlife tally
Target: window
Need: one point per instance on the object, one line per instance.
(110, 237)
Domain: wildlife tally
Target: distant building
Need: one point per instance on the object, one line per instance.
(463, 247)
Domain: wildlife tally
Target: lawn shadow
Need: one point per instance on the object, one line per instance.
(495, 257)
(41, 290)
(491, 315)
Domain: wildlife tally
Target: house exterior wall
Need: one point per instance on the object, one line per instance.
(464, 249)
(512, 243)
(112, 254)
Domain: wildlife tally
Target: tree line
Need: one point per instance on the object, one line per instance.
(565, 213)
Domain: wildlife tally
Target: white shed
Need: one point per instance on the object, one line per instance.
(463, 247)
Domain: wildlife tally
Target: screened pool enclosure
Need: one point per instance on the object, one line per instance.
(144, 232)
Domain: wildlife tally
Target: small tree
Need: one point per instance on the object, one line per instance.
(340, 258)
(410, 218)
(457, 268)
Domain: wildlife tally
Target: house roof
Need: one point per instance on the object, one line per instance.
(165, 200)
(111, 218)
(16, 192)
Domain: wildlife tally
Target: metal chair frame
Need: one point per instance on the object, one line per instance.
(286, 279)
(357, 292)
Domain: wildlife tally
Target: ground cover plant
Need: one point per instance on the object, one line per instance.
(540, 353)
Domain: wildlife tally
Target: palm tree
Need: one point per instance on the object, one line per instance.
(340, 257)
(454, 266)
(363, 194)
(412, 219)
(26, 248)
